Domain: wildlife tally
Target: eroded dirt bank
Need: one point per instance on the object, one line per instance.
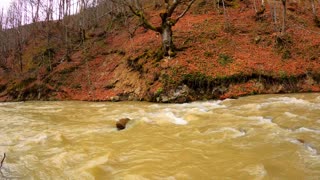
(217, 58)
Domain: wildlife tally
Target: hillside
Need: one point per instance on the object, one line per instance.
(220, 55)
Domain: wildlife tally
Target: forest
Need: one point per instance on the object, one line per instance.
(159, 50)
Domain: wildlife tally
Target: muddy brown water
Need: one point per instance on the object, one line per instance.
(256, 137)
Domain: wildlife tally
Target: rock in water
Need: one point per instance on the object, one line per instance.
(121, 123)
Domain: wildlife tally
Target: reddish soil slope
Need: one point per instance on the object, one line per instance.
(220, 56)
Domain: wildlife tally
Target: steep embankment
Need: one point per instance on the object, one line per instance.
(220, 56)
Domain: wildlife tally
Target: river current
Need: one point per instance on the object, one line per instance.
(255, 137)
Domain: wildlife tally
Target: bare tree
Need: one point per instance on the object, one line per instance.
(314, 12)
(284, 16)
(14, 20)
(2, 42)
(260, 12)
(36, 15)
(1, 19)
(274, 12)
(66, 7)
(168, 19)
(49, 17)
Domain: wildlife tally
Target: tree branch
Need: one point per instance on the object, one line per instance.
(171, 8)
(4, 157)
(140, 14)
(185, 11)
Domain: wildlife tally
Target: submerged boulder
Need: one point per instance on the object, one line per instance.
(121, 123)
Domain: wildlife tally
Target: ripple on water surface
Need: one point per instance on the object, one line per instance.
(257, 137)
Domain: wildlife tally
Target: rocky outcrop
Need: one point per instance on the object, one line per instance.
(179, 95)
(121, 123)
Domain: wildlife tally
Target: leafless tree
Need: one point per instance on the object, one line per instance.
(37, 4)
(2, 42)
(1, 19)
(49, 17)
(284, 16)
(274, 11)
(169, 18)
(14, 19)
(314, 10)
(260, 12)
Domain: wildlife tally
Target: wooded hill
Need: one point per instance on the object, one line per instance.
(165, 51)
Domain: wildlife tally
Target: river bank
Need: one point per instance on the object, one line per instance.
(216, 58)
(192, 87)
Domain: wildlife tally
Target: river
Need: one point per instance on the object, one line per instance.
(255, 137)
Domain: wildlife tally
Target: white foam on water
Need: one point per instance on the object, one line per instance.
(290, 115)
(95, 162)
(298, 102)
(147, 120)
(294, 141)
(304, 129)
(197, 110)
(235, 132)
(176, 120)
(199, 106)
(174, 113)
(39, 138)
(154, 106)
(251, 107)
(48, 107)
(261, 119)
(98, 105)
(26, 143)
(165, 115)
(42, 110)
(256, 170)
(99, 129)
(10, 103)
(311, 149)
(228, 132)
(212, 104)
(288, 100)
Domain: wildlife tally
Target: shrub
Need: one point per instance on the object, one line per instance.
(286, 54)
(224, 59)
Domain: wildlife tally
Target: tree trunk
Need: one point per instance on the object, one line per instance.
(167, 44)
(275, 11)
(284, 16)
(36, 16)
(313, 8)
(167, 22)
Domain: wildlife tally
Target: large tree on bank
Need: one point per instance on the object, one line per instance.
(168, 19)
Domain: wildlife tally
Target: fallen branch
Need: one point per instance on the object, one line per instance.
(4, 157)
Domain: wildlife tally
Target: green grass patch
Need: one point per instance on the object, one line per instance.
(224, 59)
